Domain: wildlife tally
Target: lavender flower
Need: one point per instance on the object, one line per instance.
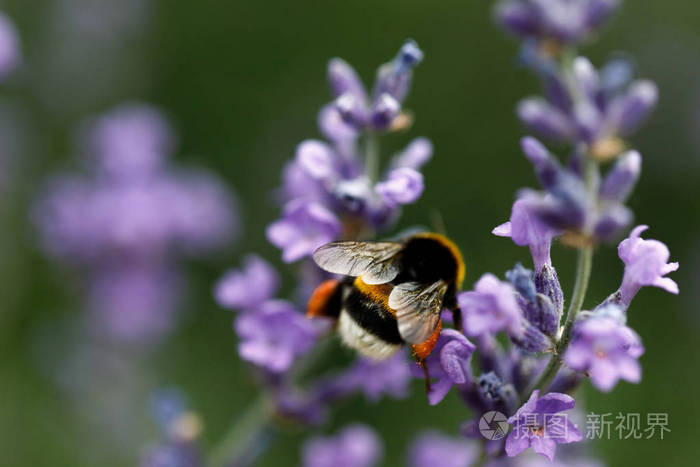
(10, 55)
(490, 308)
(565, 21)
(125, 222)
(354, 446)
(333, 176)
(606, 349)
(527, 230)
(303, 228)
(249, 287)
(448, 364)
(391, 87)
(274, 335)
(590, 108)
(538, 423)
(567, 206)
(433, 448)
(645, 265)
(134, 207)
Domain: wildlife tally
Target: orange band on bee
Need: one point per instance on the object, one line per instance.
(378, 293)
(422, 350)
(318, 303)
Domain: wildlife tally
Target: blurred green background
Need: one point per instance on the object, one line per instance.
(242, 82)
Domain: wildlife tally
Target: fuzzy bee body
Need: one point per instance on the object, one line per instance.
(393, 294)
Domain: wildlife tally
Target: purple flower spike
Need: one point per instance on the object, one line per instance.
(490, 308)
(415, 155)
(274, 335)
(10, 56)
(249, 287)
(303, 228)
(435, 449)
(607, 349)
(646, 264)
(402, 186)
(540, 425)
(449, 364)
(527, 230)
(355, 446)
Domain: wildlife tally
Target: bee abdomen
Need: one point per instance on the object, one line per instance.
(372, 315)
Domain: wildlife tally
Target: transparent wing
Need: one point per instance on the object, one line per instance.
(375, 262)
(417, 309)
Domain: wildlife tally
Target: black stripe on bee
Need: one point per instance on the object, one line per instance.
(373, 317)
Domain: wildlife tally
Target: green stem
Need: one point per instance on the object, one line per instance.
(241, 439)
(372, 156)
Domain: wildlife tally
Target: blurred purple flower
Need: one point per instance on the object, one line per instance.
(567, 21)
(354, 446)
(274, 335)
(125, 223)
(449, 363)
(538, 423)
(402, 186)
(646, 264)
(376, 378)
(303, 228)
(491, 307)
(10, 54)
(132, 140)
(249, 287)
(605, 348)
(432, 449)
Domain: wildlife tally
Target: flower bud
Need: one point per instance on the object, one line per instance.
(545, 119)
(622, 178)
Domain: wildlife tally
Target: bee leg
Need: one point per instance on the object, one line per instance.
(457, 319)
(426, 374)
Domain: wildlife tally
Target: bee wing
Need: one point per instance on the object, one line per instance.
(417, 309)
(375, 262)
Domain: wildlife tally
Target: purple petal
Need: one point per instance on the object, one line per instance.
(402, 186)
(545, 446)
(517, 442)
(554, 402)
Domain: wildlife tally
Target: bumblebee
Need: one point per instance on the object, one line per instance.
(393, 294)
